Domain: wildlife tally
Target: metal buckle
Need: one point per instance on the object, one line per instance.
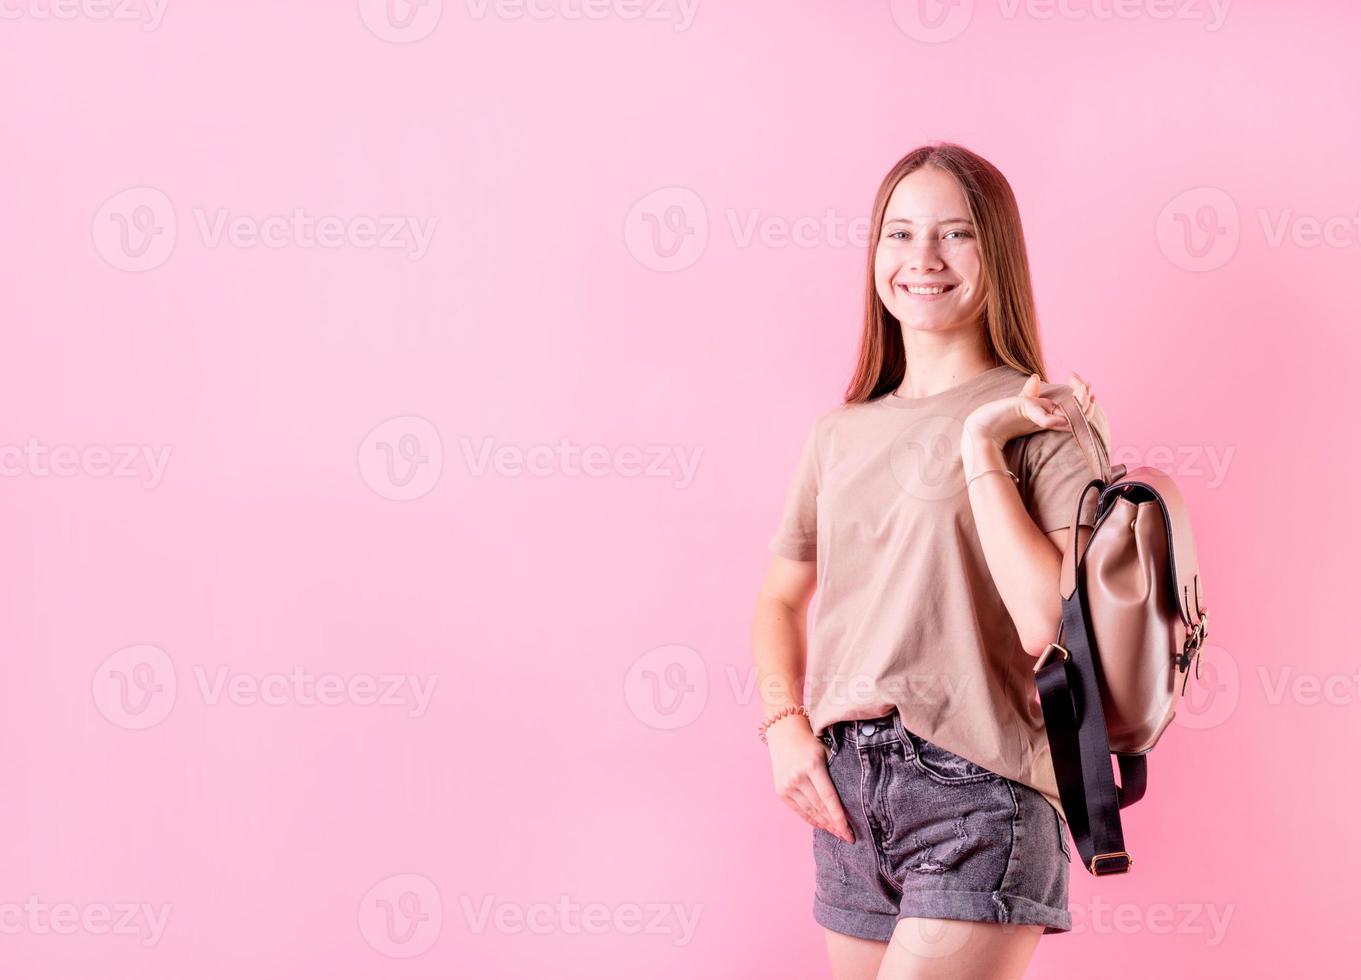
(1113, 856)
(1048, 652)
(1195, 639)
(1204, 627)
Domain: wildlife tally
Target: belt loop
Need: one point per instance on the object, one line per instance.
(903, 733)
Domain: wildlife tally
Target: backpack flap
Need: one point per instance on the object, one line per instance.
(1147, 483)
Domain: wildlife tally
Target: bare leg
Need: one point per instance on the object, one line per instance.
(853, 958)
(949, 949)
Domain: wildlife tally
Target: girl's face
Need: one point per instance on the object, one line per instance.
(928, 242)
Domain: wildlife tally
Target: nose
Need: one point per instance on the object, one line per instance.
(924, 255)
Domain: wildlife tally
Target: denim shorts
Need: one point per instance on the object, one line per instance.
(936, 836)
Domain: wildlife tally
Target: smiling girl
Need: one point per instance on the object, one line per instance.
(928, 512)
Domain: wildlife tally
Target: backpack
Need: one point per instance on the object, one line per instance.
(1134, 618)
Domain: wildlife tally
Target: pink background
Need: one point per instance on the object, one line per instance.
(588, 747)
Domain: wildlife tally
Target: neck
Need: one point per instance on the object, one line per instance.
(934, 369)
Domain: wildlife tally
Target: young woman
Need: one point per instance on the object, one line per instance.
(930, 512)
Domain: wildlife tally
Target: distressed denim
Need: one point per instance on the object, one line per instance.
(936, 836)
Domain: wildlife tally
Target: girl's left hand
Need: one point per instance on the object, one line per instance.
(1006, 418)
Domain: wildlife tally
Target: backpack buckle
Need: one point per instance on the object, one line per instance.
(1195, 639)
(1122, 858)
(1043, 658)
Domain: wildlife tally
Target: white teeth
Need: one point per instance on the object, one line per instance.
(925, 290)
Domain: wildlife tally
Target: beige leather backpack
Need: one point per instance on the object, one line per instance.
(1134, 618)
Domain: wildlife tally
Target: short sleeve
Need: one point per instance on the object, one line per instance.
(1054, 471)
(797, 535)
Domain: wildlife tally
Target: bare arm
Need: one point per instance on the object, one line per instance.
(779, 633)
(1023, 560)
(779, 644)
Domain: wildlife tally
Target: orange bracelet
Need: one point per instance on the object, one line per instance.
(793, 709)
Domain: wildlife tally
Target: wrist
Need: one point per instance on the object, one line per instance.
(980, 452)
(792, 711)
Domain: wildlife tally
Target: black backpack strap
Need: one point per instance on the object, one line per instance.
(1069, 679)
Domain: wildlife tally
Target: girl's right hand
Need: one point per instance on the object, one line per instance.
(798, 760)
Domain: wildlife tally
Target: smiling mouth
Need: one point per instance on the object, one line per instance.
(925, 290)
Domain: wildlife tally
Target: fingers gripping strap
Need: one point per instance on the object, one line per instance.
(1092, 443)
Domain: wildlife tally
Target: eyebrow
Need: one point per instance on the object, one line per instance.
(946, 221)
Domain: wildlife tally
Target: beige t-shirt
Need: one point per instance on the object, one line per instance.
(906, 612)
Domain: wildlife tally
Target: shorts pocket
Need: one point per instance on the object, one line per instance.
(946, 767)
(830, 867)
(1063, 833)
(826, 739)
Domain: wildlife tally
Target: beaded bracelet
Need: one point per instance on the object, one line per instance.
(793, 709)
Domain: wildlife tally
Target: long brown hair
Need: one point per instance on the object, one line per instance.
(1009, 322)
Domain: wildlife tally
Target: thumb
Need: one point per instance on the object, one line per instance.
(1031, 386)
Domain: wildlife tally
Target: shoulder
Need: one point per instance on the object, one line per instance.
(1014, 378)
(846, 413)
(1057, 451)
(816, 434)
(1011, 380)
(1010, 377)
(828, 419)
